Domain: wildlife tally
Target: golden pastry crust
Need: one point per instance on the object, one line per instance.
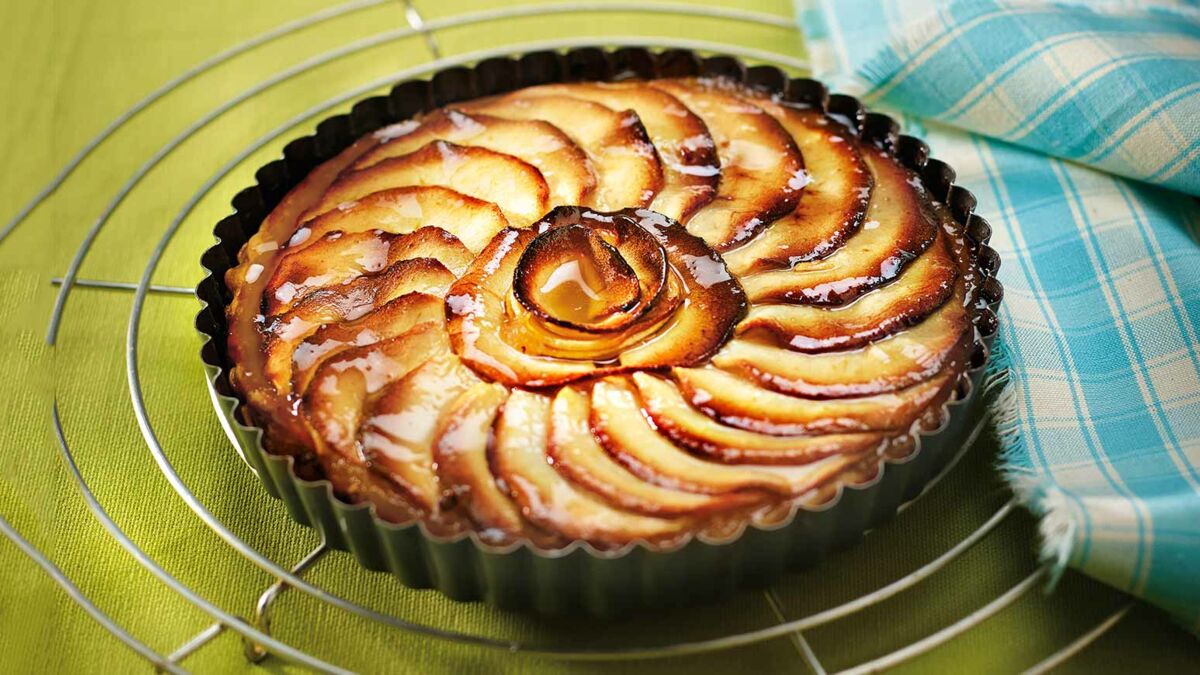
(602, 312)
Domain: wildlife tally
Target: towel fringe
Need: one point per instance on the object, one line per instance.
(1059, 522)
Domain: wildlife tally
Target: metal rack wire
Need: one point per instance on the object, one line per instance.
(256, 631)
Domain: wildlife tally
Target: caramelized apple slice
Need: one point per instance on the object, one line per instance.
(391, 319)
(548, 499)
(695, 430)
(401, 210)
(627, 168)
(761, 169)
(566, 168)
(832, 207)
(714, 300)
(745, 405)
(346, 303)
(688, 154)
(618, 422)
(475, 317)
(898, 227)
(895, 362)
(337, 258)
(517, 187)
(434, 243)
(927, 284)
(574, 451)
(460, 454)
(333, 259)
(577, 277)
(341, 387)
(399, 426)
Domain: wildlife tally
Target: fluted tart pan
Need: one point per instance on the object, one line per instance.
(575, 576)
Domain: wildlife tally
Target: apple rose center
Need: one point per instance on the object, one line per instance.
(600, 292)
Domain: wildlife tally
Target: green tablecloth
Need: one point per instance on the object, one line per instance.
(71, 66)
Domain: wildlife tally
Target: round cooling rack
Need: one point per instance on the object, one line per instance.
(952, 580)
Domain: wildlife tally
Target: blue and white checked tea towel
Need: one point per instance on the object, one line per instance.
(1040, 106)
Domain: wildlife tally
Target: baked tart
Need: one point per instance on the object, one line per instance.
(607, 313)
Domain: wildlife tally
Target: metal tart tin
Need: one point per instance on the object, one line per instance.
(578, 578)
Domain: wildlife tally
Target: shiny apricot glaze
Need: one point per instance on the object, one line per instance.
(602, 312)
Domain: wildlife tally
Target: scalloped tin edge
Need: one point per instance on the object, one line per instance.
(579, 578)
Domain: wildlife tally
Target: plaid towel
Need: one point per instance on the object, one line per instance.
(1101, 319)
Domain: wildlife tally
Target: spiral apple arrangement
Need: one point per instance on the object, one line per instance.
(604, 312)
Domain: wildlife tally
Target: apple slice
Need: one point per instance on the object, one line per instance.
(434, 243)
(400, 424)
(548, 499)
(332, 260)
(346, 303)
(404, 209)
(745, 405)
(833, 204)
(517, 187)
(619, 424)
(895, 362)
(713, 303)
(627, 168)
(460, 455)
(475, 317)
(337, 259)
(574, 452)
(342, 386)
(690, 166)
(926, 285)
(566, 168)
(678, 420)
(391, 319)
(898, 226)
(762, 172)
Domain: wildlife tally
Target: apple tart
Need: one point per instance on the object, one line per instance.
(604, 312)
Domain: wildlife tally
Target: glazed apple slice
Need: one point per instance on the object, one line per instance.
(475, 316)
(745, 405)
(566, 168)
(687, 426)
(713, 303)
(517, 187)
(926, 285)
(332, 260)
(688, 154)
(399, 426)
(574, 451)
(342, 386)
(460, 455)
(337, 259)
(346, 303)
(401, 210)
(434, 243)
(762, 172)
(628, 172)
(898, 226)
(832, 207)
(895, 362)
(620, 425)
(391, 319)
(549, 499)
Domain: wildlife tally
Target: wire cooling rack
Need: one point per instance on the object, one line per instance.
(259, 640)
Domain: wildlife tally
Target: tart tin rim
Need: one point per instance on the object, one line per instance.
(498, 75)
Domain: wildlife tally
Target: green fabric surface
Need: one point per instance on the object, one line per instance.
(73, 65)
